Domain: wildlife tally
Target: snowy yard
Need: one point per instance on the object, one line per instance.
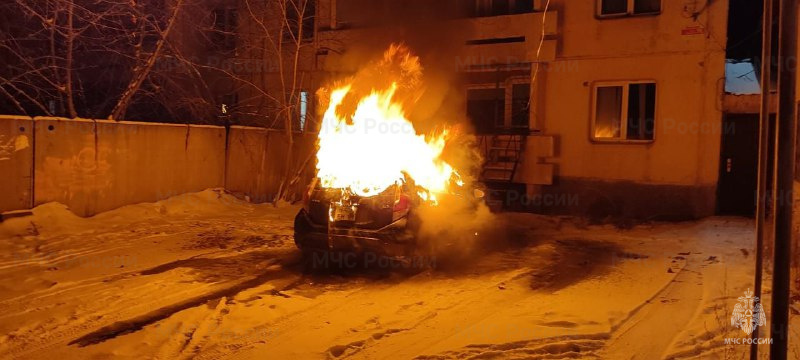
(208, 276)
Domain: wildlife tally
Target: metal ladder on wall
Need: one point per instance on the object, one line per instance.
(503, 156)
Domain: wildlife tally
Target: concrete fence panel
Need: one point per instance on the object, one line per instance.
(66, 165)
(16, 163)
(304, 160)
(95, 166)
(300, 163)
(98, 165)
(151, 161)
(257, 162)
(246, 162)
(275, 162)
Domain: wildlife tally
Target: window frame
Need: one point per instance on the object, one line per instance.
(303, 110)
(226, 40)
(300, 19)
(508, 101)
(622, 139)
(483, 8)
(630, 8)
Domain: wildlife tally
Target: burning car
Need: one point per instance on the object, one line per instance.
(376, 174)
(386, 224)
(338, 220)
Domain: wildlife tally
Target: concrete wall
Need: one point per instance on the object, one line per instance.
(95, 166)
(685, 100)
(16, 163)
(688, 68)
(246, 161)
(257, 161)
(363, 43)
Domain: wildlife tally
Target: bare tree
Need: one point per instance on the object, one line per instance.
(267, 66)
(79, 58)
(143, 67)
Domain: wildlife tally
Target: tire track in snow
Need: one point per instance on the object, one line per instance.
(572, 346)
(283, 326)
(137, 323)
(97, 310)
(667, 313)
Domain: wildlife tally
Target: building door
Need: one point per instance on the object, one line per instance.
(738, 178)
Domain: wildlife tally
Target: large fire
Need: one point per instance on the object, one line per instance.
(375, 146)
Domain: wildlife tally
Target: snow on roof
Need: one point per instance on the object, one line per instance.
(741, 78)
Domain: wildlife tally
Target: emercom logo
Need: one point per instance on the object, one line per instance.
(748, 314)
(747, 341)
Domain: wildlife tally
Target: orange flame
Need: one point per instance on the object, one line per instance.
(377, 146)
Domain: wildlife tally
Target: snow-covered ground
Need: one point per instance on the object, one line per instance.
(208, 276)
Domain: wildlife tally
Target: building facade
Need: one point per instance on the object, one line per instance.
(603, 108)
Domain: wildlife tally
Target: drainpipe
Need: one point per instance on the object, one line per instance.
(785, 165)
(763, 156)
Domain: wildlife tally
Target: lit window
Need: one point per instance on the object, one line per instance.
(303, 109)
(628, 7)
(624, 111)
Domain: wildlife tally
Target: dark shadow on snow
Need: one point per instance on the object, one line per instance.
(506, 248)
(139, 322)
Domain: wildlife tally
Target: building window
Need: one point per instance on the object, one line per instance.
(224, 34)
(303, 110)
(624, 111)
(300, 17)
(482, 8)
(520, 105)
(486, 108)
(613, 8)
(494, 107)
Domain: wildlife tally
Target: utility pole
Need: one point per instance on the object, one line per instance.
(785, 167)
(763, 155)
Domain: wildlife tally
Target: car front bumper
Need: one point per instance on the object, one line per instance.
(393, 240)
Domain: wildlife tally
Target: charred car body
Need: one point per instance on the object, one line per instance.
(386, 224)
